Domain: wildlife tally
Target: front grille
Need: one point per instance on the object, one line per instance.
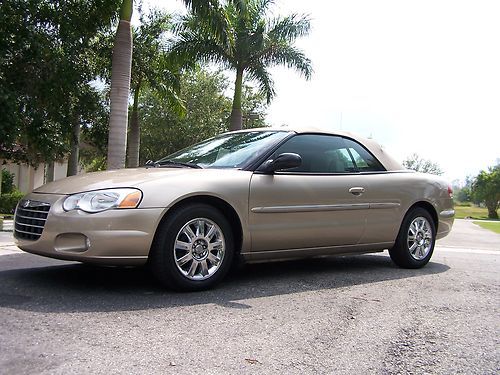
(30, 219)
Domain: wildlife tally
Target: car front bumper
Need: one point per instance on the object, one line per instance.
(114, 237)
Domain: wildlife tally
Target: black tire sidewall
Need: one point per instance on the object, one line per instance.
(400, 253)
(162, 257)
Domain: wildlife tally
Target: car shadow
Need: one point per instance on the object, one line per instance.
(52, 286)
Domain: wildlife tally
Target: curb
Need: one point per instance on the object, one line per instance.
(7, 226)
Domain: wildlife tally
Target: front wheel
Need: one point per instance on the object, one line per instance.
(193, 248)
(416, 239)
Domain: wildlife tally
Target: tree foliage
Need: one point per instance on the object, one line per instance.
(207, 111)
(45, 65)
(151, 67)
(416, 163)
(463, 192)
(251, 43)
(486, 188)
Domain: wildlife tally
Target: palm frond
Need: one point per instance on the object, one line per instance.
(289, 28)
(192, 47)
(259, 74)
(287, 55)
(260, 7)
(215, 17)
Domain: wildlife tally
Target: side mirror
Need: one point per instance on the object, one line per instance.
(283, 161)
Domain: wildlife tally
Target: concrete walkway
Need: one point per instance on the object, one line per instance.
(467, 235)
(7, 244)
(7, 226)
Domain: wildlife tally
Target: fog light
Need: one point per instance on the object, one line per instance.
(72, 243)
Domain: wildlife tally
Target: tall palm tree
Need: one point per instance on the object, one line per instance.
(121, 71)
(120, 88)
(250, 43)
(151, 67)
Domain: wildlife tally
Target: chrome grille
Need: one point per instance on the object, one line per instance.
(30, 219)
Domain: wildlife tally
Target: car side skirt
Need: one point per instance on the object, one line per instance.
(313, 252)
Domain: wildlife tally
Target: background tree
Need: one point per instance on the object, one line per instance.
(45, 67)
(486, 188)
(151, 67)
(251, 43)
(416, 163)
(207, 111)
(463, 192)
(253, 106)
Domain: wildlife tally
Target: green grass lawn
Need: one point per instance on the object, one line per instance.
(495, 227)
(461, 212)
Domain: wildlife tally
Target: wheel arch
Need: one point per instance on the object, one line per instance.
(225, 208)
(430, 209)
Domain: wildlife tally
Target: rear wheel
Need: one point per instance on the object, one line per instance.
(193, 248)
(416, 239)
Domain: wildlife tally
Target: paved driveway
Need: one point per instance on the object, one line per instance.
(345, 315)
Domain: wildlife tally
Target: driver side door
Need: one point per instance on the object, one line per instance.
(321, 203)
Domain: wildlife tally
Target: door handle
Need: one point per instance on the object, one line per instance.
(357, 190)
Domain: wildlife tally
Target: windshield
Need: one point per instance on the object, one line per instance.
(228, 150)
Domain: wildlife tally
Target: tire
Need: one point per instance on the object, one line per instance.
(416, 239)
(193, 248)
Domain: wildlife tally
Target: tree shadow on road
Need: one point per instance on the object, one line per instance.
(55, 287)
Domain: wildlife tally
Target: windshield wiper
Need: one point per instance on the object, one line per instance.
(151, 163)
(176, 163)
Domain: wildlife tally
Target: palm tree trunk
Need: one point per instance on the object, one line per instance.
(236, 115)
(120, 88)
(75, 147)
(134, 134)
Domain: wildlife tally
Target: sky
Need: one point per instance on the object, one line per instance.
(417, 76)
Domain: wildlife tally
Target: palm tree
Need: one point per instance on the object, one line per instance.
(151, 67)
(249, 44)
(121, 71)
(120, 88)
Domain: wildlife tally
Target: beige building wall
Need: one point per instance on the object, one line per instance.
(28, 178)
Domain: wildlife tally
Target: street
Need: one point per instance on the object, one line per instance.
(343, 315)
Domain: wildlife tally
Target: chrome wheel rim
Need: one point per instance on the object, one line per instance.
(419, 238)
(199, 249)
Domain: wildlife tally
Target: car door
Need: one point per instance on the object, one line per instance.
(385, 193)
(321, 203)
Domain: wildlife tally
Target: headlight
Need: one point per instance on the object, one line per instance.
(101, 200)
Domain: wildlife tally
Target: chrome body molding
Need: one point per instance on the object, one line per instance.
(447, 213)
(323, 207)
(310, 208)
(384, 205)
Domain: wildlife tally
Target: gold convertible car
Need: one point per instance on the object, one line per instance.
(257, 194)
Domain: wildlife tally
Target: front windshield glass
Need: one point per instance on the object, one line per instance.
(228, 150)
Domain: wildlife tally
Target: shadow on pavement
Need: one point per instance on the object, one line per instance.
(55, 287)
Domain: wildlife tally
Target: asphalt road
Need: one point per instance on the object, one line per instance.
(348, 315)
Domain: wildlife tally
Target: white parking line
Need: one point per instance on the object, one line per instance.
(453, 249)
(9, 249)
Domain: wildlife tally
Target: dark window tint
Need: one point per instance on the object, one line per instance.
(329, 154)
(319, 153)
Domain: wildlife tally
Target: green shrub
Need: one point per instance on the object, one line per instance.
(9, 201)
(7, 182)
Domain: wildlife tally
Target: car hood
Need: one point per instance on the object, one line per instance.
(120, 178)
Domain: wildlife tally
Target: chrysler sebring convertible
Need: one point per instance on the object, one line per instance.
(255, 195)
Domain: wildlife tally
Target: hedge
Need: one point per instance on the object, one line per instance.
(9, 201)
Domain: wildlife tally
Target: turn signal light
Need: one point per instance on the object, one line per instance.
(131, 200)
